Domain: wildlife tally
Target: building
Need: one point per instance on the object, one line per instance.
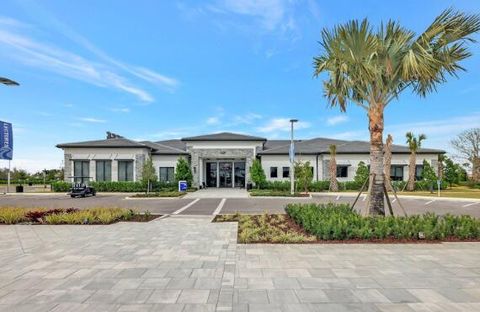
(224, 159)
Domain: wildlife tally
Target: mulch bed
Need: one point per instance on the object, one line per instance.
(142, 218)
(292, 226)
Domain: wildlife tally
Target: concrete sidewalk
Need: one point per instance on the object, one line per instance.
(187, 263)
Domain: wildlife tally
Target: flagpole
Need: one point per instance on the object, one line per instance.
(8, 177)
(292, 158)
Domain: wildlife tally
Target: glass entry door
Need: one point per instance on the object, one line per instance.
(225, 174)
(239, 174)
(211, 174)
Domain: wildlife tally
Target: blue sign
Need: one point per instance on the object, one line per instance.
(182, 186)
(6, 141)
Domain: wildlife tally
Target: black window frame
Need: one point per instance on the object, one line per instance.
(125, 178)
(418, 172)
(394, 170)
(343, 169)
(103, 163)
(273, 172)
(287, 171)
(84, 176)
(170, 174)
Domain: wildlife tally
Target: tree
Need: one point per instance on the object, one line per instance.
(451, 174)
(467, 145)
(303, 175)
(440, 166)
(387, 154)
(372, 68)
(362, 174)
(257, 174)
(183, 171)
(428, 174)
(414, 144)
(333, 169)
(148, 173)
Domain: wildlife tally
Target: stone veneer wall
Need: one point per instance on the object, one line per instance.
(67, 167)
(197, 155)
(139, 161)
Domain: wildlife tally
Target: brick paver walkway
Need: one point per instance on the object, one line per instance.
(189, 264)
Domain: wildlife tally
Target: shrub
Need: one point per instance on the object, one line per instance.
(257, 175)
(12, 215)
(61, 186)
(183, 171)
(340, 222)
(362, 174)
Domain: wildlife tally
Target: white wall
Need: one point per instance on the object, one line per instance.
(280, 161)
(225, 144)
(165, 161)
(113, 154)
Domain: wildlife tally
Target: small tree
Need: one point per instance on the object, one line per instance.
(148, 174)
(467, 145)
(257, 175)
(450, 172)
(303, 175)
(362, 174)
(183, 171)
(428, 173)
(333, 169)
(414, 144)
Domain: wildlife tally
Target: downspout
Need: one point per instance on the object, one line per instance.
(316, 170)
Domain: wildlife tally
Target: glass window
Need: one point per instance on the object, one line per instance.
(81, 171)
(273, 172)
(286, 172)
(418, 172)
(103, 170)
(396, 173)
(125, 170)
(166, 174)
(342, 171)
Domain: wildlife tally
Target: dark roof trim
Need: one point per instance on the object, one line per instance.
(224, 136)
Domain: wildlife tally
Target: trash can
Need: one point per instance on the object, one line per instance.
(249, 186)
(19, 188)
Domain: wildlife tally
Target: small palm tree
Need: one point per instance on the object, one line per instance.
(372, 68)
(388, 161)
(414, 144)
(333, 169)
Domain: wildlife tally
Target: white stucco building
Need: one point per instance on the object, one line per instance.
(224, 159)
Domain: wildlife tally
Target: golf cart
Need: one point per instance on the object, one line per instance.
(80, 187)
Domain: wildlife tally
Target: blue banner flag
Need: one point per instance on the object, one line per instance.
(6, 141)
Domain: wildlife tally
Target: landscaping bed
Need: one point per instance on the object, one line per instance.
(158, 194)
(277, 193)
(332, 223)
(14, 215)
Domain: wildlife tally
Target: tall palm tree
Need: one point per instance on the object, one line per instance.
(388, 161)
(372, 68)
(414, 144)
(333, 169)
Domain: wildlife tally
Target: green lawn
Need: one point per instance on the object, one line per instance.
(455, 191)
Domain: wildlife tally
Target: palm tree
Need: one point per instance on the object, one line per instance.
(441, 159)
(333, 169)
(414, 143)
(372, 68)
(388, 161)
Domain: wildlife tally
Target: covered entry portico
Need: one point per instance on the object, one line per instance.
(224, 173)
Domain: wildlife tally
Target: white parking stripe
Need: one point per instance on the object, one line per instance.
(364, 197)
(394, 200)
(338, 197)
(429, 202)
(220, 206)
(186, 206)
(471, 204)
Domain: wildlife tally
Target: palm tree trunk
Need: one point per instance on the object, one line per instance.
(377, 194)
(388, 161)
(411, 172)
(333, 173)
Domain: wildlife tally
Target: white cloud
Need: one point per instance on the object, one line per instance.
(120, 110)
(92, 120)
(281, 124)
(332, 121)
(246, 119)
(213, 121)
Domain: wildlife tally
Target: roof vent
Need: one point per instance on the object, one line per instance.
(111, 135)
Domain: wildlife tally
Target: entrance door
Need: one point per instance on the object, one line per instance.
(211, 174)
(239, 174)
(225, 174)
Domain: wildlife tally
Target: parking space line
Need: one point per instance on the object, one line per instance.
(394, 200)
(220, 206)
(186, 206)
(338, 197)
(429, 202)
(364, 197)
(471, 204)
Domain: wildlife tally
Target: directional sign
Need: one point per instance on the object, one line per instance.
(182, 186)
(6, 141)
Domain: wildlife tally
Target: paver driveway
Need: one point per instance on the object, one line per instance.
(186, 263)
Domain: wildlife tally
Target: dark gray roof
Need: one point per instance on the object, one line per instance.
(161, 149)
(224, 136)
(321, 146)
(178, 144)
(112, 143)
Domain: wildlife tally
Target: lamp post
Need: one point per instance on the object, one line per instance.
(292, 157)
(8, 82)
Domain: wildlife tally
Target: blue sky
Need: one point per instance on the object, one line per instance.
(167, 69)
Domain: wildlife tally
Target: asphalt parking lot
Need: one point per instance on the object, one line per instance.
(210, 206)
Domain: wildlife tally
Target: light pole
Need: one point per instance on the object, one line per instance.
(8, 82)
(292, 157)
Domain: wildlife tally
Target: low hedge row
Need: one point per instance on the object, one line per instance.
(340, 222)
(117, 186)
(320, 186)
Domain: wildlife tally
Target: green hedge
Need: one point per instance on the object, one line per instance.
(340, 222)
(117, 186)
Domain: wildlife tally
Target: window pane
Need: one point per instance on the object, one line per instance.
(342, 171)
(81, 170)
(130, 171)
(166, 174)
(170, 174)
(286, 172)
(125, 170)
(104, 170)
(273, 172)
